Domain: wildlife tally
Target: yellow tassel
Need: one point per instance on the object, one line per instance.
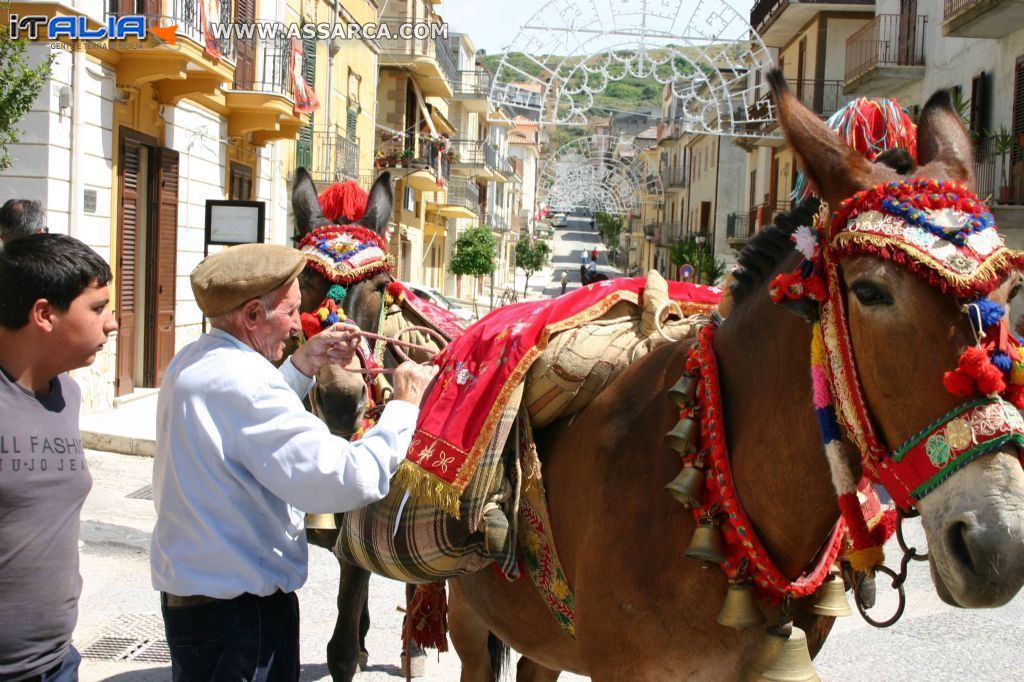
(1017, 372)
(426, 488)
(322, 313)
(866, 559)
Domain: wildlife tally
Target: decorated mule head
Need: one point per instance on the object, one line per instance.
(922, 373)
(346, 277)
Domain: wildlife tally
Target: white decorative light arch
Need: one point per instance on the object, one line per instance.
(704, 50)
(590, 172)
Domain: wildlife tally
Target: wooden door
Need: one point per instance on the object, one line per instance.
(164, 248)
(245, 50)
(130, 174)
(907, 32)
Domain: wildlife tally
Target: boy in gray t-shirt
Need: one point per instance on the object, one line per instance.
(54, 317)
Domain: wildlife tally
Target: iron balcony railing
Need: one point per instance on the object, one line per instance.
(328, 154)
(420, 152)
(674, 176)
(823, 97)
(951, 8)
(496, 221)
(737, 226)
(426, 45)
(480, 153)
(764, 213)
(671, 233)
(271, 73)
(886, 40)
(185, 15)
(475, 83)
(462, 192)
(765, 9)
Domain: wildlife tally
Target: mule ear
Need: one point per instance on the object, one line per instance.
(306, 205)
(944, 147)
(836, 169)
(379, 205)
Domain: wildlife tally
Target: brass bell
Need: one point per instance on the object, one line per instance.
(830, 599)
(683, 438)
(740, 609)
(687, 487)
(320, 522)
(685, 390)
(706, 544)
(783, 657)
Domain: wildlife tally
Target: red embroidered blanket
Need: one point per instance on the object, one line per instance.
(480, 369)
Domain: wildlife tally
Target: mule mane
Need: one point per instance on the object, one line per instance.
(763, 252)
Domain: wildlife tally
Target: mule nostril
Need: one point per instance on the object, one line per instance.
(956, 539)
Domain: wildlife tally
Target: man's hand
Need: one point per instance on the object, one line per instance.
(337, 344)
(411, 380)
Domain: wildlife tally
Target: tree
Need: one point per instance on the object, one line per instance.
(531, 256)
(475, 252)
(706, 268)
(20, 83)
(610, 228)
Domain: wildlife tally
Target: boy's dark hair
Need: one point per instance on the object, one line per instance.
(20, 218)
(51, 266)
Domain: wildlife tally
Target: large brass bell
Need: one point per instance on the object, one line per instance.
(783, 657)
(685, 390)
(830, 599)
(683, 438)
(688, 486)
(320, 522)
(740, 609)
(706, 544)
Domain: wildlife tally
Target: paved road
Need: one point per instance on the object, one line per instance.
(932, 642)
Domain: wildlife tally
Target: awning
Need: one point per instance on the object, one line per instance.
(453, 211)
(442, 123)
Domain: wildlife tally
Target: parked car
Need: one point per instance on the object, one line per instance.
(437, 298)
(559, 220)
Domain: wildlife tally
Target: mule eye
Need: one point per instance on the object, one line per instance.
(1013, 293)
(870, 293)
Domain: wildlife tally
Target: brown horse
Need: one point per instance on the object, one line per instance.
(643, 611)
(340, 398)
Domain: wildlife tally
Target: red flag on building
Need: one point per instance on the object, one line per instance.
(209, 11)
(305, 99)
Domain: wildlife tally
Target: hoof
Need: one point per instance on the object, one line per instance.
(362, 661)
(415, 666)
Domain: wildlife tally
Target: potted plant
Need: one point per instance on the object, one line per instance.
(406, 156)
(452, 156)
(1002, 144)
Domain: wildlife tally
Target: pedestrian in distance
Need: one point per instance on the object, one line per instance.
(20, 218)
(564, 280)
(239, 459)
(54, 317)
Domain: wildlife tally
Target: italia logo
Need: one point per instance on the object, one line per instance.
(35, 27)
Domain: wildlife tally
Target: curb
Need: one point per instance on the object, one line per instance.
(122, 445)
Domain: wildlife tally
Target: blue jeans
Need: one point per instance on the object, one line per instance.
(245, 638)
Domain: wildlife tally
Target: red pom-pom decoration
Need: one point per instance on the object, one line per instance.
(344, 200)
(958, 383)
(1015, 396)
(310, 324)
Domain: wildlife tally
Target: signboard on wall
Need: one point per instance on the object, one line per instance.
(234, 222)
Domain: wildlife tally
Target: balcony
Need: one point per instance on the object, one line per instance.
(421, 160)
(472, 89)
(763, 214)
(328, 155)
(885, 54)
(670, 233)
(981, 18)
(462, 201)
(261, 100)
(737, 229)
(496, 222)
(191, 67)
(778, 21)
(674, 177)
(429, 59)
(650, 232)
(479, 159)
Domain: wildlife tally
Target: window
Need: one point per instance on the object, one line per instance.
(240, 187)
(355, 81)
(979, 103)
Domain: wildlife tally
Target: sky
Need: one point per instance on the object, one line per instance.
(494, 24)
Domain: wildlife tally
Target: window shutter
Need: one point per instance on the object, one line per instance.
(166, 261)
(128, 220)
(304, 146)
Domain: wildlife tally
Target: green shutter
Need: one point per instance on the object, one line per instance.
(304, 145)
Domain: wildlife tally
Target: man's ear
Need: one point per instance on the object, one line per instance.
(41, 314)
(252, 313)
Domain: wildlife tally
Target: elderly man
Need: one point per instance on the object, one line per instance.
(20, 218)
(237, 458)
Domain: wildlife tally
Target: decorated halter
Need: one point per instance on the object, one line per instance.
(943, 234)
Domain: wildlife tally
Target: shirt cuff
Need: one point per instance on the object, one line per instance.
(399, 415)
(295, 379)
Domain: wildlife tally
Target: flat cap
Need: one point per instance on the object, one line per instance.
(226, 280)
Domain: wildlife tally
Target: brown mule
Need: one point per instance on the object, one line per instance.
(643, 610)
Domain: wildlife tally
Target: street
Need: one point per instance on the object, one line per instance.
(120, 612)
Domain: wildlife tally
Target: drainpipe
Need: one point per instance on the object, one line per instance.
(714, 216)
(76, 188)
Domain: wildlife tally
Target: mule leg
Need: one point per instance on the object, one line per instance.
(531, 671)
(345, 646)
(469, 637)
(414, 658)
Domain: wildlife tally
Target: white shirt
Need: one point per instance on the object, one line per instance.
(237, 457)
